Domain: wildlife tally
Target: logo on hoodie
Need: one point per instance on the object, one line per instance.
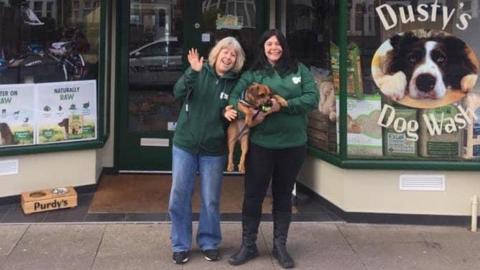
(223, 95)
(296, 80)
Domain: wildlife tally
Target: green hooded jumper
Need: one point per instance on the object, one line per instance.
(288, 127)
(201, 127)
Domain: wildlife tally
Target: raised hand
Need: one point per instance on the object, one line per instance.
(195, 61)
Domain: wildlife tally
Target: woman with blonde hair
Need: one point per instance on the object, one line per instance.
(199, 145)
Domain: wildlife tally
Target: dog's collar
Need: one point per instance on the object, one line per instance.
(264, 107)
(244, 101)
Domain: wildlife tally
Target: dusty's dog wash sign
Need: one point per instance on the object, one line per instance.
(424, 68)
(422, 13)
(435, 124)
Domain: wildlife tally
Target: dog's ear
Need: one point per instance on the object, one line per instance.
(458, 51)
(268, 90)
(399, 40)
(250, 94)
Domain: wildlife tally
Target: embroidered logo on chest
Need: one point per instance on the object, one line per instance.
(223, 95)
(296, 80)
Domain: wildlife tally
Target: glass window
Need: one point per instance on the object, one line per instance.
(37, 8)
(49, 13)
(412, 80)
(235, 18)
(49, 53)
(157, 49)
(311, 29)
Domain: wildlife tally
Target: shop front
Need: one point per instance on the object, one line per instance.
(396, 131)
(86, 86)
(153, 46)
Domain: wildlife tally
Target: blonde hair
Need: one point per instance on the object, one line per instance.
(228, 43)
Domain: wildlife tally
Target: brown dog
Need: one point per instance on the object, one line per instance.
(256, 97)
(65, 124)
(6, 135)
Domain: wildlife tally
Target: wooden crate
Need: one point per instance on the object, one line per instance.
(321, 132)
(47, 199)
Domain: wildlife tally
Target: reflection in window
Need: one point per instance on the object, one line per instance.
(155, 63)
(49, 47)
(50, 40)
(310, 32)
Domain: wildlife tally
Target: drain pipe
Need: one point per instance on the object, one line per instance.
(474, 213)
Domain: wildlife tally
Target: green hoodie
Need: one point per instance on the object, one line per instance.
(288, 127)
(201, 127)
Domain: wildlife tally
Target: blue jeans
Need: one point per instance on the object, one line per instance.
(184, 168)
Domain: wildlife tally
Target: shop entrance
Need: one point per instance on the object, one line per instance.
(154, 37)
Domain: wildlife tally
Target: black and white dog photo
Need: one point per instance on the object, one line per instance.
(424, 67)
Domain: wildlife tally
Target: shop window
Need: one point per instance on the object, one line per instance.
(38, 8)
(235, 18)
(49, 13)
(311, 30)
(412, 87)
(49, 72)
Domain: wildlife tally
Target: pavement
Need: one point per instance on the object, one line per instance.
(313, 245)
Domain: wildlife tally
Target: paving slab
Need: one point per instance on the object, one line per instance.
(232, 235)
(460, 247)
(56, 246)
(135, 246)
(9, 235)
(394, 247)
(313, 245)
(316, 246)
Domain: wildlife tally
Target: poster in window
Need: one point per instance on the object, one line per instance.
(16, 114)
(66, 111)
(425, 68)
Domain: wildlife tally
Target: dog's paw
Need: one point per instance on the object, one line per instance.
(241, 168)
(468, 82)
(394, 85)
(281, 101)
(332, 116)
(230, 167)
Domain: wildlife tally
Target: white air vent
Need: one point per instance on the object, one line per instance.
(422, 182)
(9, 167)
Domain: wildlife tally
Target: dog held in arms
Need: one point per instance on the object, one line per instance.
(424, 67)
(256, 98)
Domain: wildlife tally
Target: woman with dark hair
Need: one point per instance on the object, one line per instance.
(277, 143)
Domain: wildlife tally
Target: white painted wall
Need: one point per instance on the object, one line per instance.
(377, 191)
(40, 171)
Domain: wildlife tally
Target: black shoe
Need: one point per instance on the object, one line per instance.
(245, 254)
(281, 254)
(211, 254)
(281, 223)
(180, 257)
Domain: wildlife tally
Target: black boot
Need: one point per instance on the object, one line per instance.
(281, 223)
(248, 250)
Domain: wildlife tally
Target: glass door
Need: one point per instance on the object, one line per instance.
(155, 36)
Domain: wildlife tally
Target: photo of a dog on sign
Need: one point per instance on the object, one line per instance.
(424, 69)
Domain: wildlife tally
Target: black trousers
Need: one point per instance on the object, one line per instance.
(279, 165)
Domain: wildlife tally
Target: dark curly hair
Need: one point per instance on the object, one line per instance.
(287, 62)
